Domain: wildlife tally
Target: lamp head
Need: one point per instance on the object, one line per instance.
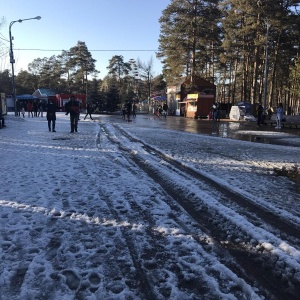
(38, 17)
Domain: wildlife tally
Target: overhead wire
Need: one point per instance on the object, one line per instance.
(94, 50)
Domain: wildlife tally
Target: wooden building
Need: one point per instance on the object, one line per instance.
(191, 101)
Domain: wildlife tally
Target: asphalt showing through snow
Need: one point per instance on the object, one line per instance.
(239, 130)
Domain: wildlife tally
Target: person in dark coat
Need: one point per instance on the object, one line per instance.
(218, 117)
(129, 109)
(72, 108)
(2, 120)
(134, 110)
(214, 110)
(165, 109)
(89, 110)
(35, 108)
(51, 115)
(40, 109)
(124, 111)
(18, 108)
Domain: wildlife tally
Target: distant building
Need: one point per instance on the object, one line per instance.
(46, 94)
(191, 101)
(62, 99)
(59, 99)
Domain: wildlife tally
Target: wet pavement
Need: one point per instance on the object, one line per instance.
(240, 130)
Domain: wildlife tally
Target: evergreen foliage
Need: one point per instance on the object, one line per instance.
(242, 46)
(190, 33)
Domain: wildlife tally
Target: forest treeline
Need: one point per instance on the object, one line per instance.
(248, 49)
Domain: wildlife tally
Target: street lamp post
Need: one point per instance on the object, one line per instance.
(12, 60)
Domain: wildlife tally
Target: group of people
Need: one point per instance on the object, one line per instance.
(128, 109)
(161, 110)
(34, 108)
(72, 108)
(215, 114)
(261, 116)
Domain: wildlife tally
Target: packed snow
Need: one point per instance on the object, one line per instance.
(81, 219)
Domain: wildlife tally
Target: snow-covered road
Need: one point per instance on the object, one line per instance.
(132, 211)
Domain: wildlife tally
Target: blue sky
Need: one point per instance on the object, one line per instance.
(102, 24)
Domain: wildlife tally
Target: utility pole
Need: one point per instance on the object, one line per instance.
(12, 60)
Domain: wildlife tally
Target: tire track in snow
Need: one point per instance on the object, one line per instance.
(182, 263)
(254, 248)
(278, 219)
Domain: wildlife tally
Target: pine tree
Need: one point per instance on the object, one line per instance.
(259, 39)
(117, 67)
(80, 64)
(189, 34)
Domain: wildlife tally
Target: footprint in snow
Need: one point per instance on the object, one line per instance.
(72, 279)
(94, 279)
(53, 246)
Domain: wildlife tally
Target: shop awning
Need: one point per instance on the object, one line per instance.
(26, 97)
(159, 98)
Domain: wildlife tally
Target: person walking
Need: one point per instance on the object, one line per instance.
(72, 108)
(124, 111)
(35, 108)
(89, 110)
(218, 116)
(41, 109)
(214, 111)
(279, 115)
(51, 115)
(30, 109)
(23, 106)
(259, 111)
(18, 105)
(165, 109)
(156, 112)
(134, 110)
(2, 120)
(128, 111)
(160, 110)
